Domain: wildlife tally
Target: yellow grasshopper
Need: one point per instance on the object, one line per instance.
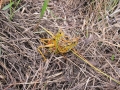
(59, 43)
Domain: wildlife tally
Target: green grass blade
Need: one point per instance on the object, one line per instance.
(44, 7)
(113, 57)
(8, 6)
(18, 3)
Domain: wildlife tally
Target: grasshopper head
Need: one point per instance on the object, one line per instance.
(60, 33)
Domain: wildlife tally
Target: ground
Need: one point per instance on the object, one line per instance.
(96, 22)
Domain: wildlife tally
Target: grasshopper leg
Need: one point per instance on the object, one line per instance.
(49, 45)
(41, 53)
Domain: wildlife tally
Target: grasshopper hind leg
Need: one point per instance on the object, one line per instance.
(41, 53)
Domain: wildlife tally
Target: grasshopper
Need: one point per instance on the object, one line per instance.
(58, 43)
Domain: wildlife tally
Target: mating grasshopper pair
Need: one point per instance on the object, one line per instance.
(58, 43)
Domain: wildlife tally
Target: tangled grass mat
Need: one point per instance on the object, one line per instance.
(22, 67)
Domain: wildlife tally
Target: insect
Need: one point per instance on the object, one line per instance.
(65, 45)
(58, 43)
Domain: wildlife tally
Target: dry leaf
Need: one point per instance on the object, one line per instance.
(3, 2)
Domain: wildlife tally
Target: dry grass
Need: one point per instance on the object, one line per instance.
(22, 67)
